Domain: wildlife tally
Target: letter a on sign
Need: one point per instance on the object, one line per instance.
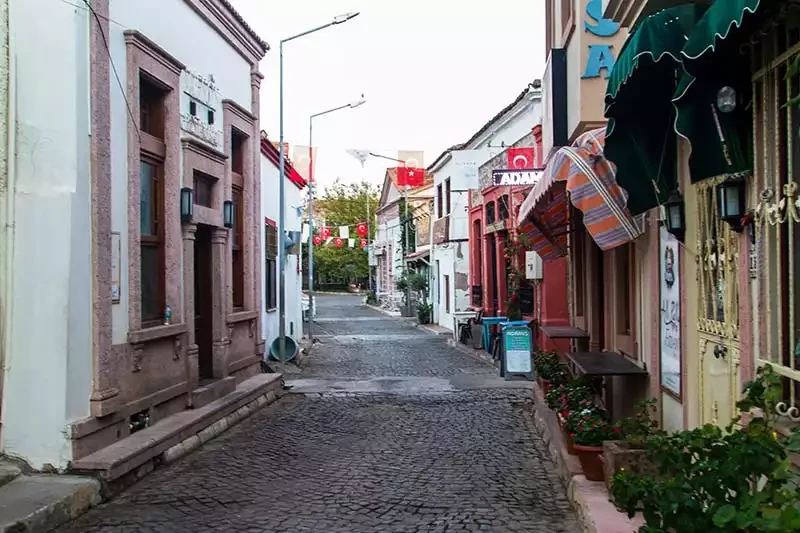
(600, 57)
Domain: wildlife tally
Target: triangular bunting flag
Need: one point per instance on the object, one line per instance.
(344, 232)
(351, 243)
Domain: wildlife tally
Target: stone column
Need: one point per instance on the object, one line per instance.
(255, 230)
(486, 275)
(192, 352)
(219, 291)
(500, 269)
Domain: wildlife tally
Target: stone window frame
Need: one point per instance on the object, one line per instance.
(144, 56)
(234, 116)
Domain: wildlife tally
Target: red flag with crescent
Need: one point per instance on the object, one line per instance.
(520, 158)
(317, 240)
(338, 242)
(363, 243)
(361, 229)
(325, 232)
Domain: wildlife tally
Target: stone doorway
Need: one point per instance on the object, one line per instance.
(203, 303)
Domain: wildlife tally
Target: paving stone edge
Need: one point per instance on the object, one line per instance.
(596, 513)
(190, 444)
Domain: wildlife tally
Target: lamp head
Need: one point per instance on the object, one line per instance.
(339, 19)
(360, 101)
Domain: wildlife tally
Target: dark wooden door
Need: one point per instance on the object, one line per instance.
(202, 302)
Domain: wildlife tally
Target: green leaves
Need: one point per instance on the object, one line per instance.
(714, 480)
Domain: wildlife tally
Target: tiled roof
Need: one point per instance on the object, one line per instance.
(244, 23)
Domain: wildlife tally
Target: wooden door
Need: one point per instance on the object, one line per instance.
(203, 305)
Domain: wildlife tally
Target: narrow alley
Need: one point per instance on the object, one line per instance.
(386, 429)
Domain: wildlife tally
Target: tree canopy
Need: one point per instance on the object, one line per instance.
(344, 205)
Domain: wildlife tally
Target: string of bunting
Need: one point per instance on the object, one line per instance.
(324, 236)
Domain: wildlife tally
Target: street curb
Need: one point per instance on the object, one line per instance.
(480, 355)
(219, 427)
(385, 312)
(590, 499)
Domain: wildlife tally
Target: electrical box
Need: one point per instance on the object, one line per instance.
(533, 266)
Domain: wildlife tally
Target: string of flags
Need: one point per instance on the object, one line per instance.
(339, 242)
(325, 236)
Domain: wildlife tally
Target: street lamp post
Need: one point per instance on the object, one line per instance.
(339, 19)
(351, 105)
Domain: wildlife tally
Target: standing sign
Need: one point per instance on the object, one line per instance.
(517, 350)
(670, 314)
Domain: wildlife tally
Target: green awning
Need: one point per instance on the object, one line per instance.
(721, 19)
(712, 59)
(640, 140)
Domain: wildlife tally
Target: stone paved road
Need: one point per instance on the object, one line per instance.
(463, 460)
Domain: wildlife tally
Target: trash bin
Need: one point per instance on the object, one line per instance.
(290, 351)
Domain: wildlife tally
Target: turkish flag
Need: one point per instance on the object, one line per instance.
(361, 229)
(363, 243)
(338, 242)
(520, 158)
(317, 240)
(411, 176)
(325, 232)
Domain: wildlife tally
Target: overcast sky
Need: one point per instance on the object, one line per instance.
(432, 71)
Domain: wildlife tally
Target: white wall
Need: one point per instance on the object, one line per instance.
(48, 365)
(453, 257)
(195, 44)
(270, 209)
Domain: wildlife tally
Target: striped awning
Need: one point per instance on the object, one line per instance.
(581, 173)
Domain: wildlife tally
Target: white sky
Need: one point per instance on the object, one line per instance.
(432, 71)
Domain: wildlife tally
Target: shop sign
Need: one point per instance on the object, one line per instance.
(600, 55)
(508, 176)
(201, 114)
(670, 314)
(517, 350)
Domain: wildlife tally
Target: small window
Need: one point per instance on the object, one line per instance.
(237, 152)
(490, 213)
(151, 107)
(439, 202)
(152, 243)
(203, 189)
(446, 293)
(193, 108)
(210, 117)
(236, 246)
(447, 196)
(271, 254)
(502, 206)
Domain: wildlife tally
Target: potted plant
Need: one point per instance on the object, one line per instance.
(549, 370)
(732, 479)
(570, 421)
(629, 453)
(568, 396)
(424, 313)
(588, 430)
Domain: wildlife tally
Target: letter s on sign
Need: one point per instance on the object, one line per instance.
(602, 27)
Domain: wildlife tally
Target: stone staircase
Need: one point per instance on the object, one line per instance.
(42, 502)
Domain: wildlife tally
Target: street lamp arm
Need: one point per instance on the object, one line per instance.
(387, 157)
(315, 115)
(318, 28)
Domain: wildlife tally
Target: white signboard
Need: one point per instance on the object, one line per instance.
(201, 109)
(670, 314)
(533, 265)
(516, 177)
(467, 164)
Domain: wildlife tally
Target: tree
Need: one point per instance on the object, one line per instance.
(344, 205)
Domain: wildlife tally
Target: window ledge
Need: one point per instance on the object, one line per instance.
(242, 316)
(272, 310)
(156, 333)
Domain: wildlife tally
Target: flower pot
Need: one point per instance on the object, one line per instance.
(618, 456)
(591, 464)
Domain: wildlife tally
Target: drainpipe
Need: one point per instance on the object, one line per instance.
(7, 189)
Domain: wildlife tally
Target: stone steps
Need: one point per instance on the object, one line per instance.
(42, 502)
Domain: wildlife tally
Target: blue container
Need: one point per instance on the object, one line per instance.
(290, 352)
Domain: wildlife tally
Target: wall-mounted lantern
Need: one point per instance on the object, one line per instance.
(675, 221)
(726, 100)
(227, 213)
(187, 204)
(731, 200)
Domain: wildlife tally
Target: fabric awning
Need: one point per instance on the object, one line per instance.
(712, 59)
(640, 140)
(422, 251)
(581, 173)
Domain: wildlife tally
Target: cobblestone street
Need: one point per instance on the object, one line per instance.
(461, 456)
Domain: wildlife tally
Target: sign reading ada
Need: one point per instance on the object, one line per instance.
(509, 176)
